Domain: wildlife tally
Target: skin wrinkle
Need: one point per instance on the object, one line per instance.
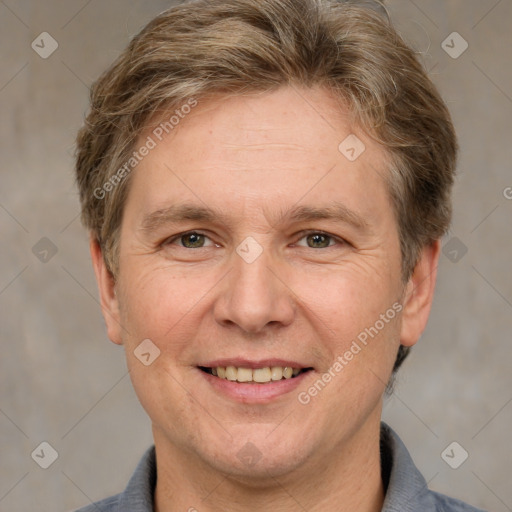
(178, 213)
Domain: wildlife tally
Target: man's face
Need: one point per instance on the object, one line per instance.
(266, 282)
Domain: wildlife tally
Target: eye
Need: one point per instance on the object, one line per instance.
(190, 240)
(319, 240)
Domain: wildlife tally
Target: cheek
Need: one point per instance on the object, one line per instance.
(155, 301)
(165, 399)
(346, 301)
(356, 319)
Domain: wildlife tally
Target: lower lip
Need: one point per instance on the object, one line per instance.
(254, 393)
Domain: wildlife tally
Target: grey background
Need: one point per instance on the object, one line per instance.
(63, 382)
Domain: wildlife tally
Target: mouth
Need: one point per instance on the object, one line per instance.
(248, 375)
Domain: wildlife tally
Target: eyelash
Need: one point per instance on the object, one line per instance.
(302, 234)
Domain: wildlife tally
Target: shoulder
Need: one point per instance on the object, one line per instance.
(447, 504)
(138, 495)
(106, 505)
(407, 489)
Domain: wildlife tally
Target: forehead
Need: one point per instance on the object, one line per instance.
(287, 119)
(267, 148)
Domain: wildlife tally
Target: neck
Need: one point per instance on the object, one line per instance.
(348, 479)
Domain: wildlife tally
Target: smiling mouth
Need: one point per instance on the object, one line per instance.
(257, 375)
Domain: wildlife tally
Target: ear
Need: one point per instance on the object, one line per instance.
(108, 298)
(419, 295)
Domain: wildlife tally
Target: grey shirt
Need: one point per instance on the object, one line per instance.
(406, 489)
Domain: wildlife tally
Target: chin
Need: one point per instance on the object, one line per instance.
(257, 462)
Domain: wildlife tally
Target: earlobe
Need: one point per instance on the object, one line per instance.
(107, 290)
(419, 295)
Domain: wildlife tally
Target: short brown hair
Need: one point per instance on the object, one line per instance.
(206, 47)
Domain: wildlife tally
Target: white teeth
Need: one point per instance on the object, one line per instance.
(260, 375)
(277, 372)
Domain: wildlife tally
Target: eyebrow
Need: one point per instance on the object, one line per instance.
(175, 214)
(335, 211)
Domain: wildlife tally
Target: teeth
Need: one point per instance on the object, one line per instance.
(260, 375)
(244, 375)
(231, 372)
(277, 372)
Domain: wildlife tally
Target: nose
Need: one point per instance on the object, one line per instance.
(254, 295)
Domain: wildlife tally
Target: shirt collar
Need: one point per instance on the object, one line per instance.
(139, 493)
(407, 490)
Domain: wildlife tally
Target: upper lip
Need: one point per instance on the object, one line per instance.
(240, 362)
